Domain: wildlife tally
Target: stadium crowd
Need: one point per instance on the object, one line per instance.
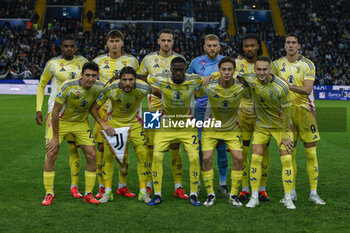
(325, 36)
(203, 11)
(17, 9)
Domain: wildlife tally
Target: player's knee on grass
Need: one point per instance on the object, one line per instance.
(207, 160)
(310, 144)
(237, 160)
(51, 157)
(258, 149)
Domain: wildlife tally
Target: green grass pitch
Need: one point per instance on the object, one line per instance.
(22, 153)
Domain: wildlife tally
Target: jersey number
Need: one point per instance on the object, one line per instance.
(313, 128)
(194, 139)
(89, 131)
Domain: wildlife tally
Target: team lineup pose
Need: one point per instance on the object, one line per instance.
(299, 73)
(110, 65)
(152, 64)
(250, 48)
(205, 65)
(126, 95)
(69, 116)
(67, 66)
(224, 96)
(273, 115)
(271, 99)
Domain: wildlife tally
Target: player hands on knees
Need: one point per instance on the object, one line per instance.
(74, 122)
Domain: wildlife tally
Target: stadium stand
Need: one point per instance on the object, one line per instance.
(17, 9)
(66, 2)
(202, 10)
(252, 4)
(325, 36)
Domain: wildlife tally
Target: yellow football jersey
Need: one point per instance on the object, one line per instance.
(154, 64)
(295, 73)
(110, 67)
(269, 100)
(77, 100)
(58, 70)
(177, 99)
(223, 103)
(244, 67)
(125, 105)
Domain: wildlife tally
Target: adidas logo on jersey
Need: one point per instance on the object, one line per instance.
(283, 70)
(62, 70)
(315, 137)
(106, 67)
(156, 66)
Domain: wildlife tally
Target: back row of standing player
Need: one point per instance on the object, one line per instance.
(294, 68)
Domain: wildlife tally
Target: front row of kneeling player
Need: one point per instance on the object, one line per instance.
(272, 105)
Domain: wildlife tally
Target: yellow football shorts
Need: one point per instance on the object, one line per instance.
(189, 138)
(304, 125)
(80, 130)
(232, 139)
(49, 132)
(263, 136)
(246, 123)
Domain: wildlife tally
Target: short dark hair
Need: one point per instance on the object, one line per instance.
(68, 37)
(115, 34)
(251, 36)
(127, 70)
(178, 60)
(91, 66)
(263, 58)
(166, 31)
(227, 59)
(293, 35)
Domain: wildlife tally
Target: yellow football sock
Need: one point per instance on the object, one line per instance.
(294, 162)
(123, 172)
(149, 158)
(157, 171)
(265, 167)
(90, 178)
(255, 171)
(208, 178)
(287, 173)
(108, 169)
(245, 176)
(194, 170)
(74, 163)
(176, 165)
(99, 158)
(236, 180)
(142, 165)
(312, 167)
(49, 178)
